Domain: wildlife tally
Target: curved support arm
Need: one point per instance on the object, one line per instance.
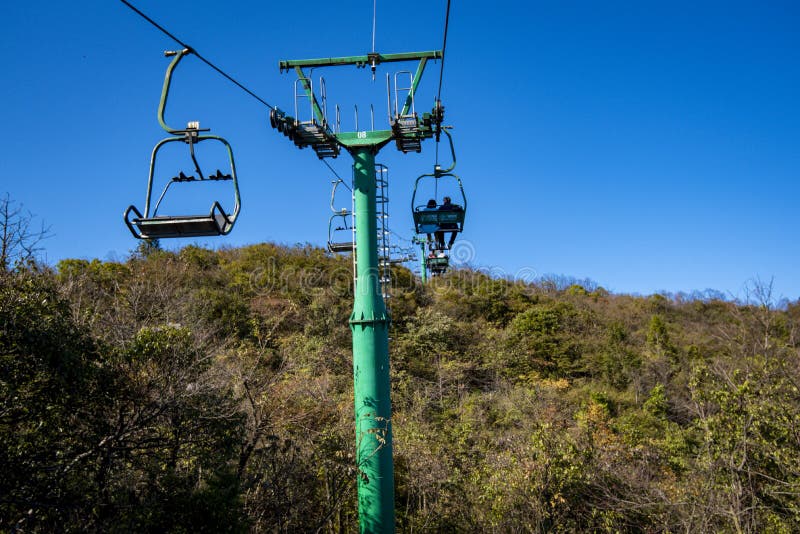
(236, 197)
(336, 184)
(165, 89)
(439, 172)
(228, 226)
(127, 217)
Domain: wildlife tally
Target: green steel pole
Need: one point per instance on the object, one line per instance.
(424, 262)
(370, 327)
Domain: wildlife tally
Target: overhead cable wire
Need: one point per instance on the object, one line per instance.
(374, 16)
(444, 47)
(196, 53)
(441, 68)
(220, 71)
(399, 236)
(336, 174)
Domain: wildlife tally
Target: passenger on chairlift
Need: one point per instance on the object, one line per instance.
(431, 206)
(447, 205)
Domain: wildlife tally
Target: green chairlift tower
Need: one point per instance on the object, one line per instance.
(369, 321)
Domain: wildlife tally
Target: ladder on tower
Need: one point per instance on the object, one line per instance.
(343, 222)
(382, 214)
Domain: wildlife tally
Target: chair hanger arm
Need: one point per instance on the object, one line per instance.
(178, 55)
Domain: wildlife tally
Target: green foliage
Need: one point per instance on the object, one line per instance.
(750, 447)
(577, 290)
(617, 363)
(657, 335)
(146, 247)
(46, 367)
(542, 341)
(656, 403)
(222, 311)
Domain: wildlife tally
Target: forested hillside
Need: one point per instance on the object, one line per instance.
(211, 391)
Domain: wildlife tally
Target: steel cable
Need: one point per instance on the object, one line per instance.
(196, 53)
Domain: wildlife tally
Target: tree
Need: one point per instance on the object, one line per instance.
(19, 237)
(49, 373)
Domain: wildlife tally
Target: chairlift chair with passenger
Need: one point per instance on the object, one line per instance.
(430, 219)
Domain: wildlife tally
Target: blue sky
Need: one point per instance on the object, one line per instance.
(645, 145)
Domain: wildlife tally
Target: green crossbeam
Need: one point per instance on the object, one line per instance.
(358, 61)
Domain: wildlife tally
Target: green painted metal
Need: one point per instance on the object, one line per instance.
(369, 324)
(358, 61)
(423, 218)
(217, 221)
(373, 138)
(321, 119)
(414, 84)
(162, 104)
(370, 320)
(438, 265)
(452, 152)
(423, 254)
(426, 222)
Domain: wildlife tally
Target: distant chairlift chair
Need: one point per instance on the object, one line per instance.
(341, 237)
(340, 232)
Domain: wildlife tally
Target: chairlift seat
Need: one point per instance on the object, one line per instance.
(341, 247)
(438, 265)
(216, 223)
(429, 221)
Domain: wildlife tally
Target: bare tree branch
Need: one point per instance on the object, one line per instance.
(20, 238)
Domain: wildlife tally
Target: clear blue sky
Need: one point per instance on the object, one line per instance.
(646, 145)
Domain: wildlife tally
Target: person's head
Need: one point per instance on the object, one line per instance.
(446, 200)
(431, 203)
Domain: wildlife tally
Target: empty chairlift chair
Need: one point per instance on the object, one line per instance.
(340, 232)
(341, 236)
(151, 225)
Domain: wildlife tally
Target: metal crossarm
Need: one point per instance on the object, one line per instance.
(358, 61)
(408, 131)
